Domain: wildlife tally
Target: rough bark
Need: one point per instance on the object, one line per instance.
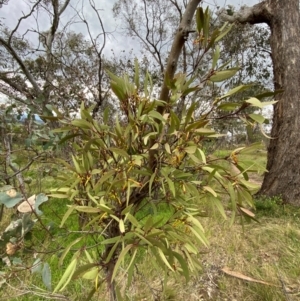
(283, 18)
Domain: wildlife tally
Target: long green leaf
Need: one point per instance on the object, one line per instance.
(121, 258)
(67, 276)
(163, 257)
(183, 264)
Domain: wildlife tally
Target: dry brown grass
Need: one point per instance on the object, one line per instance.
(267, 252)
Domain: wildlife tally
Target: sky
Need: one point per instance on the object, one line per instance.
(116, 40)
(9, 15)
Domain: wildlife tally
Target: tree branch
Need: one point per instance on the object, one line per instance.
(258, 13)
(154, 46)
(20, 62)
(22, 18)
(179, 40)
(178, 43)
(20, 87)
(49, 42)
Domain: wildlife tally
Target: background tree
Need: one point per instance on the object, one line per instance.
(59, 67)
(283, 19)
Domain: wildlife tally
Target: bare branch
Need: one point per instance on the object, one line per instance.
(63, 8)
(21, 19)
(49, 42)
(13, 84)
(178, 43)
(100, 67)
(154, 46)
(27, 73)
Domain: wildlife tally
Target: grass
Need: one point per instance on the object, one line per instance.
(266, 251)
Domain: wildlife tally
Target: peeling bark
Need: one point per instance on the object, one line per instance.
(283, 18)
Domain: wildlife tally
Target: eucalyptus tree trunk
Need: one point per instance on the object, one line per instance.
(283, 165)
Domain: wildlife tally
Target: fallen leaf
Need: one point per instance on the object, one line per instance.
(239, 275)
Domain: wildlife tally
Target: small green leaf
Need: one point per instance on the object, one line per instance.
(156, 115)
(229, 106)
(195, 221)
(91, 274)
(130, 268)
(171, 186)
(223, 33)
(155, 146)
(220, 76)
(196, 125)
(209, 189)
(133, 220)
(87, 209)
(268, 94)
(83, 269)
(190, 149)
(268, 103)
(258, 118)
(67, 249)
(119, 151)
(205, 131)
(199, 19)
(167, 148)
(216, 57)
(255, 102)
(67, 214)
(121, 226)
(110, 240)
(76, 164)
(81, 123)
(235, 90)
(190, 113)
(199, 234)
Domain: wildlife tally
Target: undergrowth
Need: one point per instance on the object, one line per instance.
(266, 251)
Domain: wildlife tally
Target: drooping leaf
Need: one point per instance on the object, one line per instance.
(121, 258)
(67, 276)
(46, 276)
(216, 57)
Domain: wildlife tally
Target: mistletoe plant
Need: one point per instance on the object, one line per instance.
(150, 157)
(124, 172)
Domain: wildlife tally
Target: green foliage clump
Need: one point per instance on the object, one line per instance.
(275, 208)
(141, 161)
